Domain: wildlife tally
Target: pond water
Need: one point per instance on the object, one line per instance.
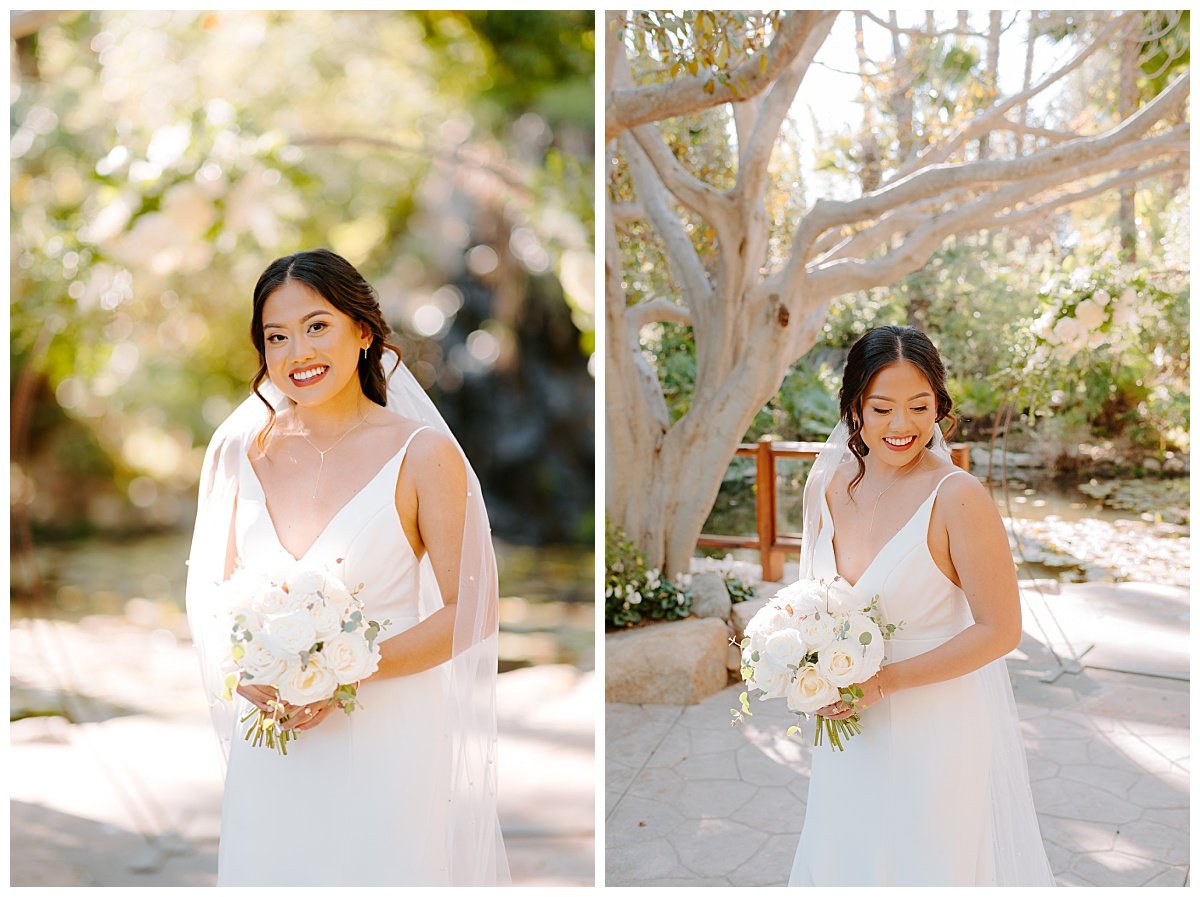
(1068, 528)
(547, 609)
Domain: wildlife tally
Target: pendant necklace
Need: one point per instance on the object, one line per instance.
(321, 466)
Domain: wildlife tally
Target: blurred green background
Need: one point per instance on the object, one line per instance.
(160, 161)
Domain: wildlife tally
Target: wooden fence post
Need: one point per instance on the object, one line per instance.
(770, 557)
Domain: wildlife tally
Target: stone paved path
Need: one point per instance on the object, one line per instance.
(690, 800)
(82, 795)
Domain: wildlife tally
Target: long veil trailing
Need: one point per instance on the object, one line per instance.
(1018, 854)
(474, 846)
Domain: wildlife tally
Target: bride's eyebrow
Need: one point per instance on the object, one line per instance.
(910, 398)
(311, 314)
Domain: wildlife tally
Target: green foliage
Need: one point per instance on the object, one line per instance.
(634, 593)
(738, 590)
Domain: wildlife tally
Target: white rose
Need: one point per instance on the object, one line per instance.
(782, 652)
(770, 618)
(1090, 313)
(263, 666)
(817, 630)
(848, 660)
(810, 691)
(305, 581)
(1102, 297)
(350, 658)
(327, 619)
(274, 600)
(315, 682)
(286, 635)
(802, 596)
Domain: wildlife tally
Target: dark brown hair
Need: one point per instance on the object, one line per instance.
(339, 283)
(875, 350)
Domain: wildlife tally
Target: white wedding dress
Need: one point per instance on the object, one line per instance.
(935, 790)
(360, 799)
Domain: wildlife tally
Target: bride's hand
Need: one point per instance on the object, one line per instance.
(264, 698)
(309, 715)
(872, 691)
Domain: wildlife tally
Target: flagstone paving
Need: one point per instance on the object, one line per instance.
(129, 794)
(690, 800)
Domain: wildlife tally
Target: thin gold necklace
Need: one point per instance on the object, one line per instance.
(899, 476)
(321, 467)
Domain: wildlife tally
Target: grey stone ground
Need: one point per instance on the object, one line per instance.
(84, 797)
(691, 801)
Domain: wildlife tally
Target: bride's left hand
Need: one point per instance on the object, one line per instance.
(309, 715)
(872, 694)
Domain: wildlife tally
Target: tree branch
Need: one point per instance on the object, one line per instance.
(826, 214)
(627, 212)
(686, 187)
(752, 171)
(629, 107)
(847, 275)
(680, 250)
(921, 32)
(985, 121)
(654, 311)
(1045, 208)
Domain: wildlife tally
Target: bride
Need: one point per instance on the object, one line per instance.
(935, 790)
(339, 459)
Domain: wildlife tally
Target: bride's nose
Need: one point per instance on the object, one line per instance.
(301, 349)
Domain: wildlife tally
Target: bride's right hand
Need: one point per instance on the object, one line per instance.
(264, 698)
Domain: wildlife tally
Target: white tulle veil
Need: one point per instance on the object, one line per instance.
(474, 846)
(1018, 855)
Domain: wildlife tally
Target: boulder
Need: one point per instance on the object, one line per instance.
(710, 598)
(743, 613)
(679, 663)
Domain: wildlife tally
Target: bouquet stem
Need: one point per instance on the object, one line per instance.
(266, 728)
(837, 730)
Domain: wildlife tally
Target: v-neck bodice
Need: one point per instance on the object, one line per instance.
(363, 543)
(910, 585)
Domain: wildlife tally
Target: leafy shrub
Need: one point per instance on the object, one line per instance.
(633, 592)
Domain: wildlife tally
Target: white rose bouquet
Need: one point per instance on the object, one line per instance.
(810, 644)
(302, 632)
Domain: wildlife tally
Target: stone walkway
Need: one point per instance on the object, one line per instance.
(692, 801)
(84, 795)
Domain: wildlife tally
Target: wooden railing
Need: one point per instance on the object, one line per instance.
(770, 543)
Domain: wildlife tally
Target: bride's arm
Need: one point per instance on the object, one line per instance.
(982, 559)
(441, 484)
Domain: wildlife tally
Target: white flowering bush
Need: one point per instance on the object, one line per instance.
(634, 592)
(1110, 347)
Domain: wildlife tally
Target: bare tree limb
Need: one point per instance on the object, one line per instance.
(656, 310)
(846, 275)
(681, 252)
(612, 46)
(941, 151)
(627, 212)
(921, 32)
(752, 174)
(1045, 208)
(905, 219)
(628, 107)
(826, 214)
(686, 187)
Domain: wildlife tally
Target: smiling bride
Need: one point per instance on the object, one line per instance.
(339, 462)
